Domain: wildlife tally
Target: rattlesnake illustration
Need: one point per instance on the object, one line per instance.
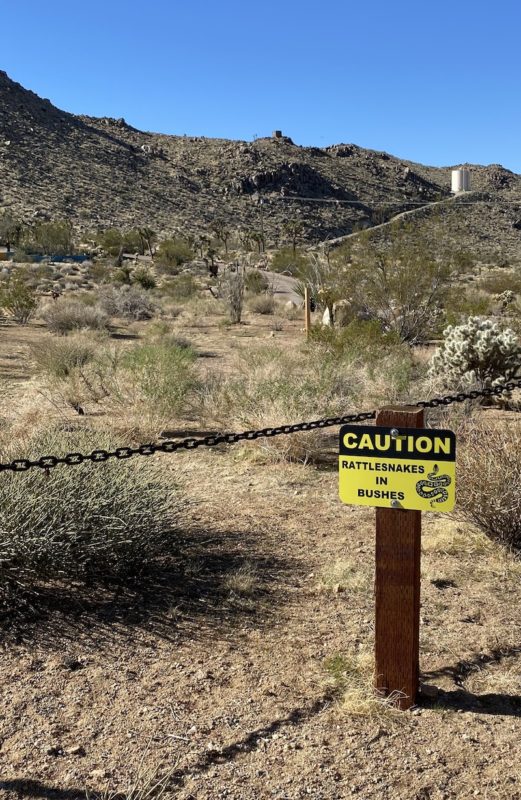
(435, 484)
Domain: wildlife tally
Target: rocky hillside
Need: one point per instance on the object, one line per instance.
(101, 172)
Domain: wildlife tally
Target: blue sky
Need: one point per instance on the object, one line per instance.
(437, 82)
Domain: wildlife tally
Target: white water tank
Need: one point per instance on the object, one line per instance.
(460, 180)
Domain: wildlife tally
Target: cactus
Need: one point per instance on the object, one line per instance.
(478, 352)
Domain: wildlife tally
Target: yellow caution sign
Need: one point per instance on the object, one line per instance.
(409, 469)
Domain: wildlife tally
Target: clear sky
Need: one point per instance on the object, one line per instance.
(428, 80)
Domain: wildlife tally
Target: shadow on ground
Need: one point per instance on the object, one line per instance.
(35, 789)
(462, 700)
(219, 580)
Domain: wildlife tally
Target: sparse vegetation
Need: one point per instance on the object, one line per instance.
(128, 302)
(263, 304)
(231, 290)
(63, 316)
(171, 254)
(489, 474)
(18, 298)
(124, 516)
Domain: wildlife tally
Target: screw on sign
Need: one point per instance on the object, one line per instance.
(403, 469)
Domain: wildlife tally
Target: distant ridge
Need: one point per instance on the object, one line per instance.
(102, 172)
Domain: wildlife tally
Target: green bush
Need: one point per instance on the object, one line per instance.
(145, 278)
(18, 299)
(172, 253)
(269, 386)
(256, 282)
(285, 260)
(52, 238)
(93, 521)
(63, 316)
(180, 287)
(163, 372)
(61, 357)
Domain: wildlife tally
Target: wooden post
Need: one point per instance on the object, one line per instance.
(307, 311)
(397, 584)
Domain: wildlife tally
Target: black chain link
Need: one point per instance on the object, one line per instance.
(71, 459)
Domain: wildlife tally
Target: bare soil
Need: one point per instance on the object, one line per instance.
(215, 666)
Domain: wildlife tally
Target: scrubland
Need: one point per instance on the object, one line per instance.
(199, 624)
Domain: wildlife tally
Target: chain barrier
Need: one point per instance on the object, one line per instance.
(97, 456)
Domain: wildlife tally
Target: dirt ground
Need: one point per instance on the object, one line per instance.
(219, 668)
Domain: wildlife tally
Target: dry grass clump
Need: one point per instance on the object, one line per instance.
(269, 386)
(127, 302)
(262, 304)
(242, 582)
(498, 677)
(352, 679)
(92, 521)
(144, 386)
(489, 478)
(344, 576)
(148, 783)
(63, 316)
(62, 357)
(443, 536)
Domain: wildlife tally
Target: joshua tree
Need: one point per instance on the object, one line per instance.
(147, 237)
(10, 230)
(222, 233)
(293, 228)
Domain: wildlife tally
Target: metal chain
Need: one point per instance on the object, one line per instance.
(96, 456)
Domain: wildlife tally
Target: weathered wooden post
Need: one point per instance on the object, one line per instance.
(397, 585)
(402, 469)
(307, 311)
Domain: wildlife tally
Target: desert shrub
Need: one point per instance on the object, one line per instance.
(462, 303)
(124, 517)
(128, 302)
(114, 241)
(99, 272)
(262, 304)
(61, 357)
(63, 316)
(477, 352)
(359, 338)
(180, 287)
(122, 275)
(256, 282)
(52, 238)
(21, 256)
(172, 253)
(270, 386)
(163, 373)
(145, 279)
(498, 282)
(18, 299)
(288, 260)
(230, 288)
(293, 312)
(403, 285)
(489, 477)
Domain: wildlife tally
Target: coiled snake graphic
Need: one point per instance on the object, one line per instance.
(433, 489)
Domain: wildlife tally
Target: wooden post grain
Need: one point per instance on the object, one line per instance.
(397, 585)
(307, 311)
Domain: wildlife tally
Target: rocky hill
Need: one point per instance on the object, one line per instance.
(102, 172)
